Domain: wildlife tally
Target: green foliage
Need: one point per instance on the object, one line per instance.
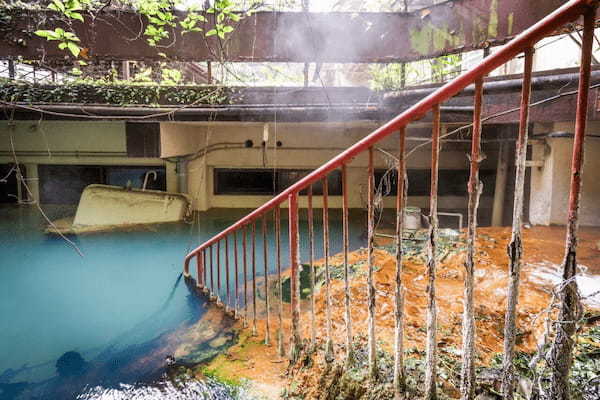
(99, 92)
(67, 40)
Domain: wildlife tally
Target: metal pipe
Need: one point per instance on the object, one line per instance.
(311, 261)
(212, 275)
(561, 353)
(431, 345)
(237, 272)
(279, 283)
(253, 237)
(219, 273)
(399, 376)
(266, 271)
(515, 247)
(467, 378)
(372, 350)
(566, 13)
(199, 271)
(227, 296)
(296, 344)
(329, 330)
(345, 235)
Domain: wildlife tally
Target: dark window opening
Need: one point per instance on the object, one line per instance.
(268, 182)
(63, 184)
(451, 182)
(143, 139)
(9, 187)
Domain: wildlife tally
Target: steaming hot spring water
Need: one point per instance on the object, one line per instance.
(95, 327)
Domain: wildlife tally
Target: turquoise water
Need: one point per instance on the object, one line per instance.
(114, 305)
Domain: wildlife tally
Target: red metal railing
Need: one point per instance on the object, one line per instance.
(523, 43)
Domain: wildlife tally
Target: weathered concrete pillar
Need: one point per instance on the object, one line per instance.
(33, 182)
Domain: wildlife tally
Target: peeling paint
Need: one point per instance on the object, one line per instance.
(511, 21)
(430, 39)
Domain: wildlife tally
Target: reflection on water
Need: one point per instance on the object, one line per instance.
(122, 307)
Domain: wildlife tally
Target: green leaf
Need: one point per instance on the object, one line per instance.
(228, 29)
(76, 16)
(212, 32)
(74, 49)
(62, 45)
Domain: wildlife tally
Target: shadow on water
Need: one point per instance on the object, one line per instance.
(146, 370)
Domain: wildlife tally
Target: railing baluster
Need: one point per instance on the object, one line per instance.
(468, 327)
(199, 268)
(345, 234)
(219, 273)
(296, 345)
(328, 342)
(205, 289)
(515, 247)
(370, 278)
(562, 350)
(227, 296)
(279, 284)
(399, 378)
(253, 278)
(311, 263)
(266, 270)
(431, 350)
(212, 275)
(245, 267)
(235, 260)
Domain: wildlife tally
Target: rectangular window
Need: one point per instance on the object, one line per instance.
(451, 182)
(143, 139)
(229, 181)
(63, 184)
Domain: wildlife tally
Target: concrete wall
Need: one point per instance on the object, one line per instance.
(71, 143)
(550, 183)
(303, 146)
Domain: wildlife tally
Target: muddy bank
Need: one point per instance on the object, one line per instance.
(251, 360)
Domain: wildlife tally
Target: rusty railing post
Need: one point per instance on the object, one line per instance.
(515, 247)
(227, 295)
(431, 345)
(219, 302)
(345, 235)
(199, 272)
(467, 379)
(205, 289)
(561, 353)
(253, 237)
(296, 345)
(245, 268)
(266, 270)
(372, 345)
(237, 272)
(280, 349)
(399, 378)
(311, 261)
(329, 333)
(212, 276)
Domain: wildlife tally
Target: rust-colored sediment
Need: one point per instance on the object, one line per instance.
(261, 364)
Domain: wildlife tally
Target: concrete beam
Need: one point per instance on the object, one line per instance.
(449, 27)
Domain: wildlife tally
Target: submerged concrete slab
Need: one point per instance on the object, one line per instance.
(104, 207)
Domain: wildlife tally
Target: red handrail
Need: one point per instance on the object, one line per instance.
(563, 15)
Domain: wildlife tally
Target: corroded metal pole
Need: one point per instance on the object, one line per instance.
(279, 284)
(219, 273)
(245, 268)
(212, 275)
(431, 346)
(328, 341)
(561, 353)
(515, 247)
(205, 289)
(349, 352)
(467, 381)
(372, 349)
(199, 271)
(266, 272)
(296, 345)
(253, 236)
(399, 378)
(227, 296)
(237, 272)
(311, 260)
